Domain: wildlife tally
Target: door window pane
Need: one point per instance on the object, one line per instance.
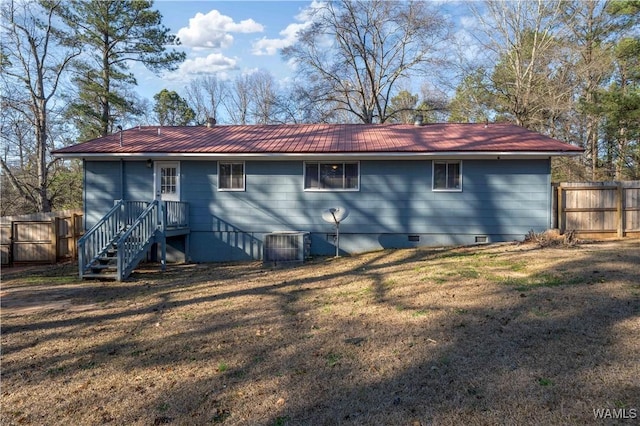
(168, 180)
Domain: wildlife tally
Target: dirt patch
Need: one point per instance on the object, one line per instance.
(509, 333)
(41, 288)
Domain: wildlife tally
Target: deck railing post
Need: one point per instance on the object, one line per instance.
(162, 216)
(119, 262)
(81, 260)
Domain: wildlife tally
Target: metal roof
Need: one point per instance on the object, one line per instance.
(313, 139)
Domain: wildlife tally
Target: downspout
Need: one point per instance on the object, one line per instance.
(121, 179)
(550, 194)
(121, 167)
(84, 194)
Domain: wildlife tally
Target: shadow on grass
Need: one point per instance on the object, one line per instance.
(546, 348)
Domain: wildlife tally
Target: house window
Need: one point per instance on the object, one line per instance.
(336, 176)
(447, 176)
(231, 176)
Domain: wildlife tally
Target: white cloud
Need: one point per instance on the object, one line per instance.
(213, 63)
(468, 22)
(249, 71)
(270, 46)
(307, 13)
(212, 30)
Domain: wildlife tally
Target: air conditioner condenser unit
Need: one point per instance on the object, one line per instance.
(292, 246)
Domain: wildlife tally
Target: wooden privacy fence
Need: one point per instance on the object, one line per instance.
(40, 238)
(598, 209)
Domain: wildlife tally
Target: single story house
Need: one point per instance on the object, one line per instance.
(404, 185)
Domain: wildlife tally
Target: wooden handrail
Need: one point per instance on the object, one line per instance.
(136, 238)
(130, 227)
(96, 241)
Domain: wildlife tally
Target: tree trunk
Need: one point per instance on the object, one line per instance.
(40, 113)
(104, 98)
(593, 122)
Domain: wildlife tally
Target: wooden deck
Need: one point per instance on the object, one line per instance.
(122, 238)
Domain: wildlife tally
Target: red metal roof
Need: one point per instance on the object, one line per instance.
(321, 138)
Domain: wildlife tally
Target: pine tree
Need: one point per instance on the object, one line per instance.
(115, 33)
(172, 110)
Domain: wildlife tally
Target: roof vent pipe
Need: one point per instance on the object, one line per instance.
(418, 120)
(211, 122)
(158, 131)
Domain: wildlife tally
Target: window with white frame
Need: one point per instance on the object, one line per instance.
(168, 180)
(231, 176)
(332, 176)
(447, 175)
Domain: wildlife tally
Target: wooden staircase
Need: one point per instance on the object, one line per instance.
(105, 265)
(121, 239)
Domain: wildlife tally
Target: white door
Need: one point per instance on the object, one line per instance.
(167, 180)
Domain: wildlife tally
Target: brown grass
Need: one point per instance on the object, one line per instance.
(508, 334)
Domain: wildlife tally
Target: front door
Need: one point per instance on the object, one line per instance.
(167, 180)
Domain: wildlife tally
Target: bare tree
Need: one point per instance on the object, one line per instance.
(32, 70)
(264, 98)
(552, 66)
(522, 38)
(300, 105)
(356, 52)
(238, 101)
(253, 99)
(206, 95)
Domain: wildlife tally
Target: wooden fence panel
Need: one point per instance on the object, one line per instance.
(599, 208)
(41, 238)
(34, 241)
(632, 209)
(68, 229)
(5, 243)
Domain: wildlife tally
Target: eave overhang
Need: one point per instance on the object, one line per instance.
(463, 155)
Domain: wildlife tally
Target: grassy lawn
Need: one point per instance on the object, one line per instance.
(496, 334)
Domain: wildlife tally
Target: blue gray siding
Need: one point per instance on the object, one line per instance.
(501, 199)
(106, 181)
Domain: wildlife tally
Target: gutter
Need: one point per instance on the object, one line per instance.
(497, 155)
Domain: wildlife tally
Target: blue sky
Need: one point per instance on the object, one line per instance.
(227, 38)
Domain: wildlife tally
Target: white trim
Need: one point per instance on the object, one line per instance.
(244, 177)
(304, 177)
(318, 156)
